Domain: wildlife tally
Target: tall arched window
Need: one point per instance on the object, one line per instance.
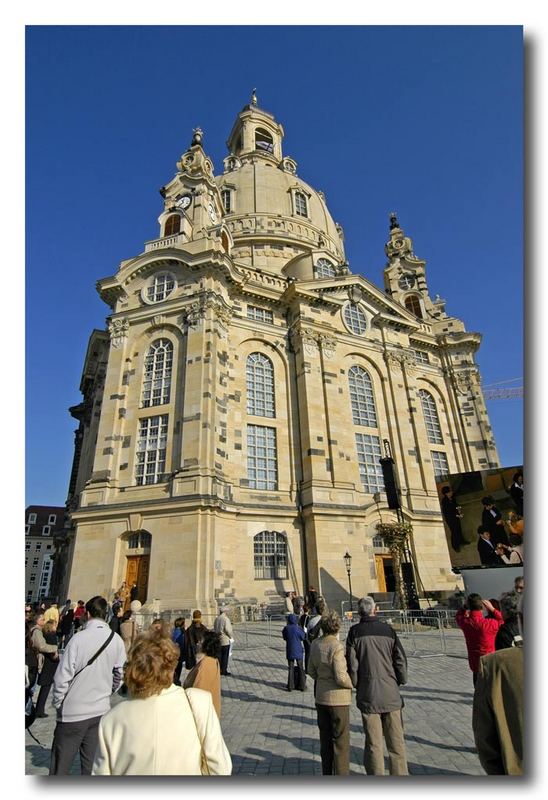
(368, 445)
(270, 555)
(362, 398)
(431, 419)
(157, 373)
(413, 304)
(300, 205)
(260, 386)
(173, 225)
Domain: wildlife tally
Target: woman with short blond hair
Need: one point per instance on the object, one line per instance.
(333, 693)
(161, 729)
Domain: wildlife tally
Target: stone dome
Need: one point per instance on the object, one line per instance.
(273, 215)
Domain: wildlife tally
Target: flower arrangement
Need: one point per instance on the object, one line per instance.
(395, 535)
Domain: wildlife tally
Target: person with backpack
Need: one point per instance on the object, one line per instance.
(64, 630)
(314, 627)
(294, 636)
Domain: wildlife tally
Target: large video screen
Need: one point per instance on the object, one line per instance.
(483, 517)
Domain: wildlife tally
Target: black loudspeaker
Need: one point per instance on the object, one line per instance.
(390, 484)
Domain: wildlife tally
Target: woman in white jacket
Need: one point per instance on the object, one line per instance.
(162, 729)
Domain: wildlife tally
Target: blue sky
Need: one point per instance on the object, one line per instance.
(426, 121)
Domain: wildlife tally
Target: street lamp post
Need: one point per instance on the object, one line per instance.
(348, 563)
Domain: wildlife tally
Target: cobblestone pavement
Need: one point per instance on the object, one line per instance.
(270, 731)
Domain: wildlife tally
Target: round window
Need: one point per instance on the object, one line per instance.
(159, 287)
(406, 281)
(355, 319)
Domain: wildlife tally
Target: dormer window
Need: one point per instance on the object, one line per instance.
(227, 200)
(173, 225)
(264, 141)
(324, 268)
(300, 205)
(413, 304)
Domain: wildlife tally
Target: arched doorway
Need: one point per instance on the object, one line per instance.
(138, 563)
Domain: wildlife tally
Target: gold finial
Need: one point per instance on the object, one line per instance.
(253, 97)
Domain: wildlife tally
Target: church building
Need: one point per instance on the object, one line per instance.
(235, 409)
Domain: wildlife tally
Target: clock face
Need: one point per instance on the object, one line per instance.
(184, 201)
(211, 212)
(406, 281)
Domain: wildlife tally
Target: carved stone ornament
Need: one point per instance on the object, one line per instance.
(465, 380)
(310, 343)
(393, 360)
(158, 321)
(306, 339)
(355, 294)
(196, 311)
(328, 345)
(118, 330)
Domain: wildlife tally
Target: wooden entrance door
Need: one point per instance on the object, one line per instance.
(137, 572)
(379, 564)
(385, 573)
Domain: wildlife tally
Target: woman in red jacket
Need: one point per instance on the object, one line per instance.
(479, 631)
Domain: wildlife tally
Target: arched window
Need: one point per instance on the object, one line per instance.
(260, 386)
(226, 200)
(225, 242)
(173, 225)
(413, 304)
(270, 555)
(300, 205)
(264, 141)
(157, 373)
(362, 398)
(431, 419)
(324, 268)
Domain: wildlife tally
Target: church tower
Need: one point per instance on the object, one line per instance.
(236, 407)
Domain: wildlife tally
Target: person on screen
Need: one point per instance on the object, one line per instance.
(486, 549)
(512, 553)
(491, 519)
(451, 514)
(516, 492)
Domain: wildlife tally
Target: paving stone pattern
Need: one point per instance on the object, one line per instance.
(270, 731)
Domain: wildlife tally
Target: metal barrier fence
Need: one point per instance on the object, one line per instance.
(430, 633)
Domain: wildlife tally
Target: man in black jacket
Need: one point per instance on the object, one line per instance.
(486, 550)
(377, 666)
(491, 518)
(452, 516)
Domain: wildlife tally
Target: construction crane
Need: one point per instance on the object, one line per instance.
(501, 391)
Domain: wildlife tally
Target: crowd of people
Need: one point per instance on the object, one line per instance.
(112, 681)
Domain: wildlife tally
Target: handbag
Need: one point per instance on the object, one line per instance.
(204, 766)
